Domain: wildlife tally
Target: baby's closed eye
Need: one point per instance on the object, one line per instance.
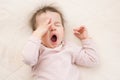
(58, 24)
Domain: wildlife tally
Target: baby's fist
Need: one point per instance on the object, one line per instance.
(81, 32)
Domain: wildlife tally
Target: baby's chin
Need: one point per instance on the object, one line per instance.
(53, 46)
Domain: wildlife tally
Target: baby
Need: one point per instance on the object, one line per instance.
(49, 55)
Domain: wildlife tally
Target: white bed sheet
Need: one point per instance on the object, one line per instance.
(102, 19)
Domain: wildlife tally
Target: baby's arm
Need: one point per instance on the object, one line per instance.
(85, 56)
(31, 51)
(32, 48)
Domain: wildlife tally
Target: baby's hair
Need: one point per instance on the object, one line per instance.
(44, 10)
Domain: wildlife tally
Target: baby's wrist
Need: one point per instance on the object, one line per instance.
(38, 35)
(85, 38)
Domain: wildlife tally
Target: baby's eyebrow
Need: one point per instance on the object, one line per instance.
(58, 22)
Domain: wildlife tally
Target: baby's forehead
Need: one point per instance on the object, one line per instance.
(48, 15)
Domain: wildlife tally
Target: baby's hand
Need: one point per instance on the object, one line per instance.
(42, 28)
(81, 33)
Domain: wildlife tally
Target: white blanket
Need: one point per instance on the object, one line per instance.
(102, 19)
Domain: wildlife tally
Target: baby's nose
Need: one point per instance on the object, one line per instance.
(52, 28)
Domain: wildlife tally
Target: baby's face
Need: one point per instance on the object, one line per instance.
(55, 34)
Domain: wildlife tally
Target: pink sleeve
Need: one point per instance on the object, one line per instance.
(31, 51)
(86, 55)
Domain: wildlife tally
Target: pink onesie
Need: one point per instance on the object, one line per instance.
(58, 63)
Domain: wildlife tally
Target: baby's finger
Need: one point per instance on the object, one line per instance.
(49, 21)
(76, 29)
(49, 25)
(76, 32)
(83, 27)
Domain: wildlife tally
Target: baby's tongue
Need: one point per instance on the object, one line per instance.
(54, 38)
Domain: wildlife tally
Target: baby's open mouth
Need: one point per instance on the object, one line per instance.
(54, 38)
